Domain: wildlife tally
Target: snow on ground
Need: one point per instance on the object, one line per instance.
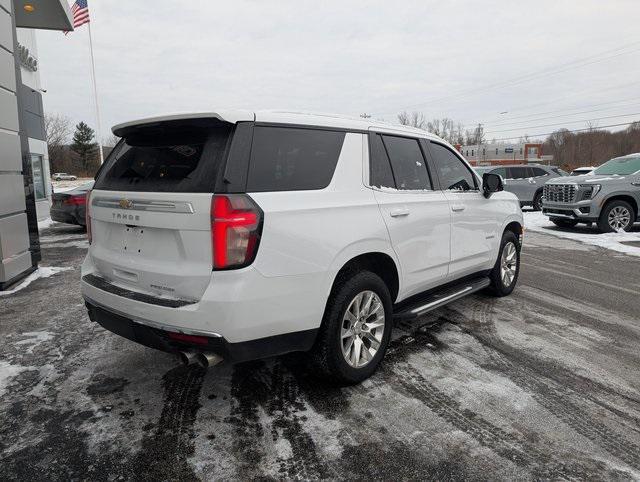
(45, 223)
(7, 372)
(41, 272)
(536, 221)
(63, 186)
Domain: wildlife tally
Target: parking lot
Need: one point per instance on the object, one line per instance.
(542, 384)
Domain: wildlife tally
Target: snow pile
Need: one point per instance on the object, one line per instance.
(64, 186)
(45, 223)
(42, 272)
(536, 221)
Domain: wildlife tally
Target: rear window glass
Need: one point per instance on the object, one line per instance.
(169, 157)
(292, 159)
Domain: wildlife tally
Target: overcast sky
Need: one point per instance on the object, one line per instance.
(470, 60)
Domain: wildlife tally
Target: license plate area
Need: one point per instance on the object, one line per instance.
(132, 240)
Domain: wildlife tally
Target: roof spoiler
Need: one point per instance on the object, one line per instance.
(121, 130)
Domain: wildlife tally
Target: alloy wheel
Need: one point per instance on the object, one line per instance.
(508, 264)
(619, 218)
(362, 329)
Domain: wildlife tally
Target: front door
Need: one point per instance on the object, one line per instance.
(474, 225)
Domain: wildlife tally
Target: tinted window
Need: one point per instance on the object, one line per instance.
(501, 171)
(290, 159)
(379, 169)
(175, 156)
(407, 162)
(519, 172)
(453, 173)
(537, 172)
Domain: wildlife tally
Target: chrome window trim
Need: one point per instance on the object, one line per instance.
(181, 207)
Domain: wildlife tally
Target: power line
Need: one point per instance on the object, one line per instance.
(559, 116)
(533, 75)
(566, 109)
(566, 130)
(563, 123)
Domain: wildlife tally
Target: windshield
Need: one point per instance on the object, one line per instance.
(622, 166)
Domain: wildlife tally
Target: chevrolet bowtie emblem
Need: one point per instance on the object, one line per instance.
(126, 204)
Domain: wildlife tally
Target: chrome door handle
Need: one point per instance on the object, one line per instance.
(457, 207)
(399, 212)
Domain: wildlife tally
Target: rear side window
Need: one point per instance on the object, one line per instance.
(453, 173)
(407, 162)
(539, 172)
(170, 157)
(519, 172)
(292, 159)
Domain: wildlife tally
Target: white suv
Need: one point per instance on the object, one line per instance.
(240, 235)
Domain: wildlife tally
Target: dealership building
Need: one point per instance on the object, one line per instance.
(25, 187)
(501, 154)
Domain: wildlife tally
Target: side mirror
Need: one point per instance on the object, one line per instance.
(491, 183)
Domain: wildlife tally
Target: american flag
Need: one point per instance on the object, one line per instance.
(80, 11)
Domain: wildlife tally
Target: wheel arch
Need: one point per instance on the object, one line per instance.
(622, 197)
(378, 262)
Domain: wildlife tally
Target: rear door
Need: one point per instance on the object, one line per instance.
(474, 222)
(417, 216)
(150, 207)
(519, 182)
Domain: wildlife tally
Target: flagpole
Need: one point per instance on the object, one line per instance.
(95, 94)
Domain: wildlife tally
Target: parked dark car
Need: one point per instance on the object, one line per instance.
(70, 206)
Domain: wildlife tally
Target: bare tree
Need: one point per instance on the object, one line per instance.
(110, 141)
(415, 119)
(57, 130)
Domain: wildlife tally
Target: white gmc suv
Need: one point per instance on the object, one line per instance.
(239, 235)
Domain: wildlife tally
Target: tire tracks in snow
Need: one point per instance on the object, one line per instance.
(553, 387)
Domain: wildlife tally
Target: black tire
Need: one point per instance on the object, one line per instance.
(326, 354)
(603, 220)
(564, 223)
(497, 286)
(537, 201)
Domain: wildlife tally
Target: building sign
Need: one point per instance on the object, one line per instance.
(508, 150)
(27, 60)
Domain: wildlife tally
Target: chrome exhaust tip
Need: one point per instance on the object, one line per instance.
(187, 357)
(206, 360)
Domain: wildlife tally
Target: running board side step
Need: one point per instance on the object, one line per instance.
(438, 298)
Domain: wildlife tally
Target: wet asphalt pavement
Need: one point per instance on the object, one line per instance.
(544, 384)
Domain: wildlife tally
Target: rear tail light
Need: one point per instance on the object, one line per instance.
(76, 200)
(87, 214)
(236, 224)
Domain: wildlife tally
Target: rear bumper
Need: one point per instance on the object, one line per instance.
(69, 216)
(159, 339)
(237, 305)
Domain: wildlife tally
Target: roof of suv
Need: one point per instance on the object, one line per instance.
(283, 117)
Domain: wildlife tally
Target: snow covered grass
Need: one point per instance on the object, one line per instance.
(42, 272)
(536, 221)
(63, 186)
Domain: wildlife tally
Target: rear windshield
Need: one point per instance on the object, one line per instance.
(178, 156)
(292, 159)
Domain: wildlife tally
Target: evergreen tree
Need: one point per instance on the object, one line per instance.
(84, 145)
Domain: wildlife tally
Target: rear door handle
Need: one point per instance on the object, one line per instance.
(457, 207)
(396, 213)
